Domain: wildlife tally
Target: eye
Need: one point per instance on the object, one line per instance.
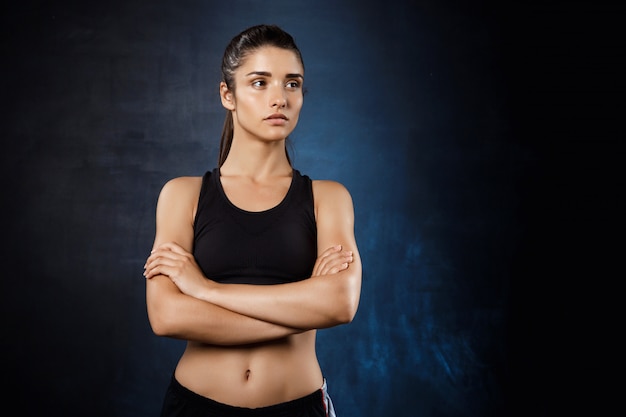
(293, 84)
(258, 83)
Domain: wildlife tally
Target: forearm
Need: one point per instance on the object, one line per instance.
(180, 316)
(315, 303)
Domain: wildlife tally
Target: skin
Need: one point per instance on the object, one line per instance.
(247, 345)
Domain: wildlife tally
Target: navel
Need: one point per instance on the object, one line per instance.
(247, 374)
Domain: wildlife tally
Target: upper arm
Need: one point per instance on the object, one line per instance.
(175, 213)
(334, 213)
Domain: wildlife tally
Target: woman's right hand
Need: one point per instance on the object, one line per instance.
(180, 266)
(332, 260)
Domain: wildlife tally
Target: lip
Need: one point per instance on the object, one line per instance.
(276, 116)
(277, 119)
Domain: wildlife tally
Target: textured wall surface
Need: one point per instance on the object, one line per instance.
(410, 104)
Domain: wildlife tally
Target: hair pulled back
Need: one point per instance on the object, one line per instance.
(239, 48)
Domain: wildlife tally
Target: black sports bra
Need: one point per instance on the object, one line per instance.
(274, 246)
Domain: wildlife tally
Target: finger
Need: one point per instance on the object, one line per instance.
(333, 265)
(334, 268)
(323, 259)
(334, 254)
(334, 258)
(168, 267)
(330, 250)
(155, 254)
(346, 255)
(160, 250)
(174, 247)
(152, 262)
(337, 268)
(164, 254)
(166, 271)
(153, 272)
(320, 264)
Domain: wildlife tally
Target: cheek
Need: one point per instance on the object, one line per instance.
(246, 104)
(296, 102)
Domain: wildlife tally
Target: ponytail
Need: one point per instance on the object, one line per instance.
(226, 139)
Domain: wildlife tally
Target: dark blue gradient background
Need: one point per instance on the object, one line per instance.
(424, 110)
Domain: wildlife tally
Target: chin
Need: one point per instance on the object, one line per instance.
(277, 136)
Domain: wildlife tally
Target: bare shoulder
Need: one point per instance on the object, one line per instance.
(334, 214)
(332, 196)
(181, 195)
(176, 210)
(329, 189)
(181, 187)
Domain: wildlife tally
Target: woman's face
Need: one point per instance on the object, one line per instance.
(268, 94)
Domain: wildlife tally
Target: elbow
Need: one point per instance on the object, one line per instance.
(159, 320)
(161, 304)
(349, 301)
(158, 327)
(348, 310)
(344, 317)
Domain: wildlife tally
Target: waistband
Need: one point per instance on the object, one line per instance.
(285, 409)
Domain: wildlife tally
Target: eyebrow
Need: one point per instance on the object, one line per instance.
(269, 74)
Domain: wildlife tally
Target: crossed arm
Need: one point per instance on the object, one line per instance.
(183, 303)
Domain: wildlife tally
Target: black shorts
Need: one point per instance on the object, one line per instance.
(182, 402)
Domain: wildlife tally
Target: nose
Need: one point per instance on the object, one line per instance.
(278, 98)
(279, 102)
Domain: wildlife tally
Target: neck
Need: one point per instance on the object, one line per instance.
(256, 159)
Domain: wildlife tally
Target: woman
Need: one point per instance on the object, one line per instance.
(250, 259)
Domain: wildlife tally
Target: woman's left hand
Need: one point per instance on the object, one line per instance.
(171, 260)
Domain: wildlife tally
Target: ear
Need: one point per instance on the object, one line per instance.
(227, 96)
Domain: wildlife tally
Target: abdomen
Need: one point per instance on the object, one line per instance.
(252, 375)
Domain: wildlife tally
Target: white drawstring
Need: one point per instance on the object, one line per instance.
(328, 403)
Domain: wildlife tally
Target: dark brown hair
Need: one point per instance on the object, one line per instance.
(236, 52)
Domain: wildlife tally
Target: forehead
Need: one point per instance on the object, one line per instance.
(272, 59)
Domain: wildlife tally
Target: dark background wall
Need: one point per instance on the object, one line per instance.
(451, 123)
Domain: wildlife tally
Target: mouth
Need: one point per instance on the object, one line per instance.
(276, 116)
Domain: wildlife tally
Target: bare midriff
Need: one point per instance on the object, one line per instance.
(255, 375)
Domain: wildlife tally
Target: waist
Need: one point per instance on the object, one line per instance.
(254, 375)
(177, 393)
